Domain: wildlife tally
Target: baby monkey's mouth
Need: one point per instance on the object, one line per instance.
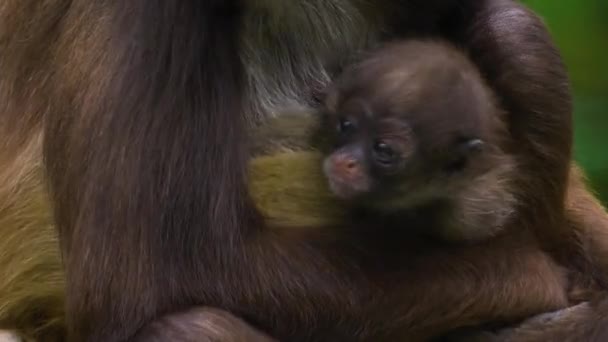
(344, 190)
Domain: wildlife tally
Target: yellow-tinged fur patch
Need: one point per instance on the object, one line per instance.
(290, 190)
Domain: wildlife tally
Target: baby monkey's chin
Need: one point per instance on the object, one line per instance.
(346, 190)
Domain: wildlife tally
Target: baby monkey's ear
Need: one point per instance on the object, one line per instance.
(463, 152)
(472, 146)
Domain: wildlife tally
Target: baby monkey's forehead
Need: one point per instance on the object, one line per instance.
(389, 85)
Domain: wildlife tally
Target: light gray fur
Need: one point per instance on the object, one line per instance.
(569, 324)
(8, 336)
(288, 46)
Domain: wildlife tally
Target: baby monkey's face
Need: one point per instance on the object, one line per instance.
(390, 157)
(366, 151)
(412, 123)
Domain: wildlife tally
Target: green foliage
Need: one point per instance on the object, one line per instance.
(580, 28)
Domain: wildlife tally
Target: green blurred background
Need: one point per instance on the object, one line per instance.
(580, 28)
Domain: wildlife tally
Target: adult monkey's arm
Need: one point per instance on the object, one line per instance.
(534, 88)
(526, 71)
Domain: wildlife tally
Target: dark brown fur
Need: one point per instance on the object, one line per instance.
(141, 105)
(588, 221)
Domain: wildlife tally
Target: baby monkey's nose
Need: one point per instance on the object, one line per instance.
(346, 166)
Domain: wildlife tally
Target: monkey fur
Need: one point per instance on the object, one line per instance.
(446, 147)
(143, 108)
(277, 182)
(201, 325)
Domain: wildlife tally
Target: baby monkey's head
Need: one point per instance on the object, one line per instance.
(412, 123)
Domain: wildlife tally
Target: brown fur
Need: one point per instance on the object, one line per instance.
(140, 103)
(449, 265)
(588, 222)
(290, 169)
(291, 172)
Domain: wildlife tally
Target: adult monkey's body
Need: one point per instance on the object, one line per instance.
(138, 97)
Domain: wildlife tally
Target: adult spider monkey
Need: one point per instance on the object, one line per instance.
(144, 106)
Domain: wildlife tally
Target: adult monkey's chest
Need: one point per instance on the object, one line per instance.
(290, 49)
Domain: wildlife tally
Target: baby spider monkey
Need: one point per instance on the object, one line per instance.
(414, 130)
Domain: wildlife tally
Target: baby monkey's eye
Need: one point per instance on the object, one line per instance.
(383, 153)
(345, 125)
